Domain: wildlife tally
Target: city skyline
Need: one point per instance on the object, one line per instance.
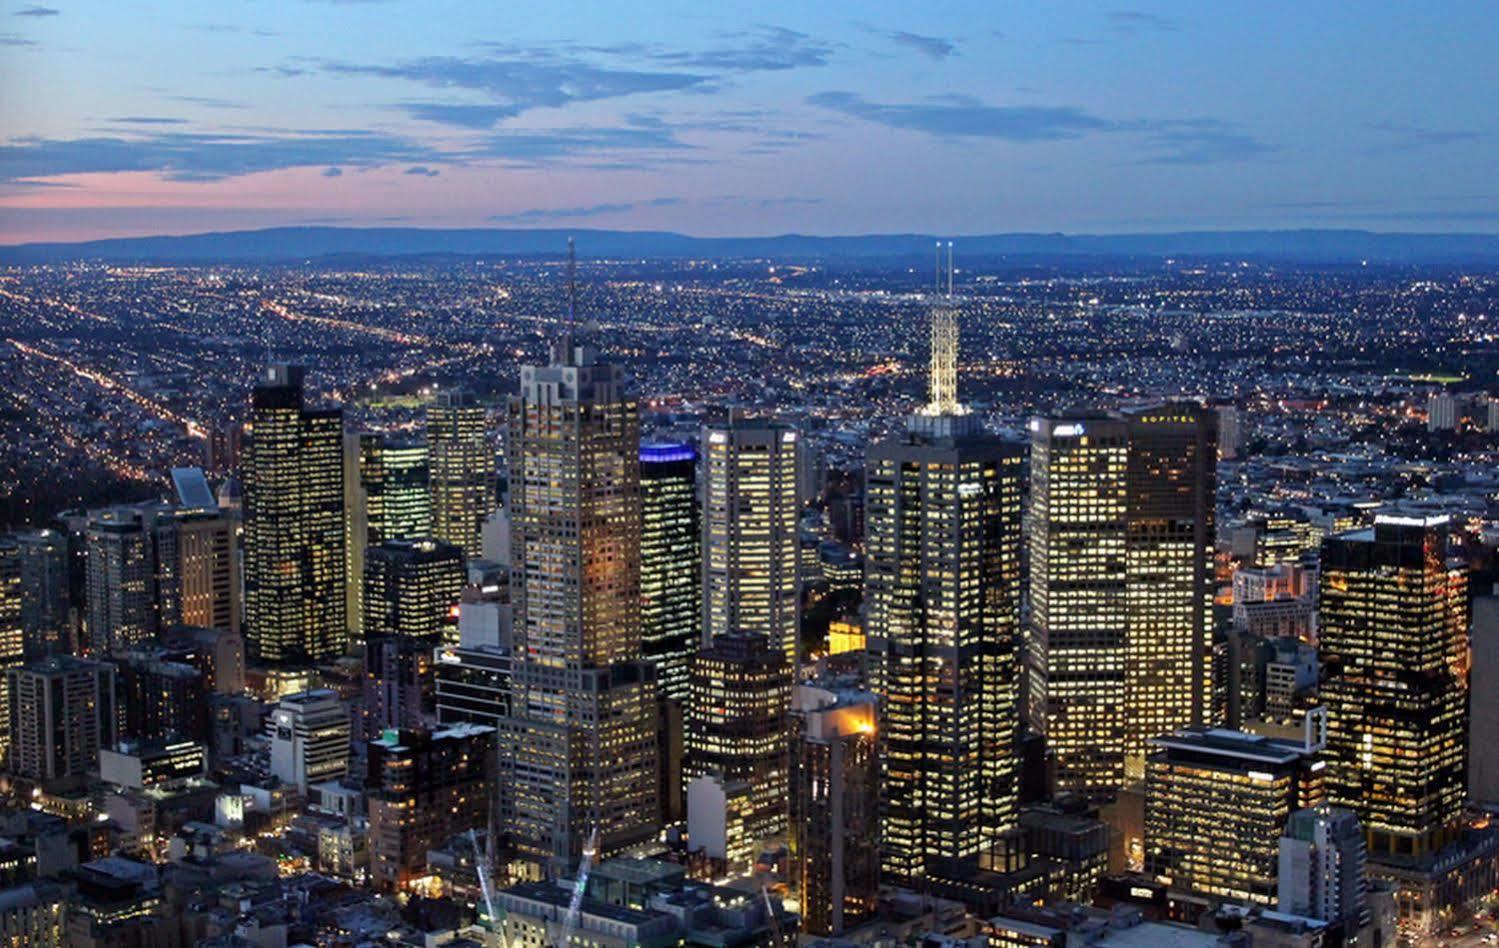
(550, 581)
(1078, 117)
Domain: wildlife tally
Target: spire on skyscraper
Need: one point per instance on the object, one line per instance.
(944, 367)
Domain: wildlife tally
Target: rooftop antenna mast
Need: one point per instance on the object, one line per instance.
(572, 294)
(944, 369)
(949, 269)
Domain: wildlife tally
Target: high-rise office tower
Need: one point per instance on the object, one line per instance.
(1322, 859)
(160, 697)
(399, 689)
(462, 469)
(408, 490)
(1216, 803)
(364, 517)
(1394, 641)
(209, 570)
(132, 580)
(46, 622)
(1121, 542)
(835, 855)
(62, 711)
(295, 569)
(12, 635)
(578, 764)
(736, 724)
(749, 554)
(670, 565)
(943, 626)
(309, 734)
(411, 588)
(424, 786)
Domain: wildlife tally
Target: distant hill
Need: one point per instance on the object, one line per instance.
(294, 244)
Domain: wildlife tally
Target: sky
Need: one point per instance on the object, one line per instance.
(122, 118)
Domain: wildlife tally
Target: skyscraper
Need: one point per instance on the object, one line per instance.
(1121, 538)
(12, 635)
(408, 490)
(424, 786)
(132, 580)
(1322, 858)
(578, 755)
(670, 564)
(62, 711)
(750, 509)
(208, 558)
(295, 569)
(1216, 803)
(1394, 640)
(45, 618)
(462, 469)
(309, 737)
(943, 592)
(411, 588)
(835, 795)
(737, 726)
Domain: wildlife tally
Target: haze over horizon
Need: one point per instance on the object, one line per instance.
(835, 119)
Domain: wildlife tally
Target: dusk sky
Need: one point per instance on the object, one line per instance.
(121, 118)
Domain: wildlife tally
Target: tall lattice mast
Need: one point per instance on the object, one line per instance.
(944, 373)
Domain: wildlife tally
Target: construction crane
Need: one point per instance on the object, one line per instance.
(775, 920)
(483, 871)
(579, 885)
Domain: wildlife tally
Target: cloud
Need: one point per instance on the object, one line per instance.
(968, 118)
(536, 146)
(148, 120)
(233, 28)
(764, 49)
(15, 39)
(459, 115)
(933, 47)
(192, 156)
(1130, 22)
(209, 102)
(334, 172)
(521, 84)
(535, 214)
(1402, 136)
(422, 170)
(38, 11)
(518, 79)
(1195, 141)
(1186, 141)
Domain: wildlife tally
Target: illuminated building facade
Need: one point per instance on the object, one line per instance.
(1394, 641)
(295, 568)
(309, 734)
(750, 509)
(462, 469)
(670, 566)
(736, 724)
(1322, 864)
(578, 755)
(835, 855)
(208, 566)
(45, 618)
(62, 712)
(1216, 805)
(943, 625)
(424, 787)
(407, 505)
(12, 635)
(411, 588)
(1121, 543)
(132, 584)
